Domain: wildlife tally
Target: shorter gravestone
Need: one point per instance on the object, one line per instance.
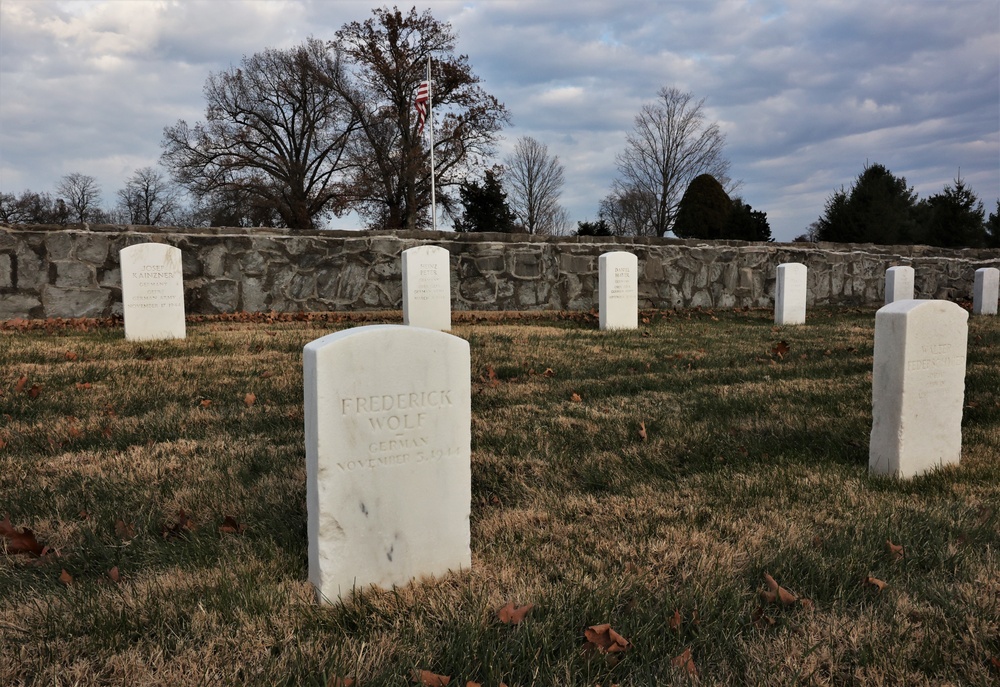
(152, 292)
(918, 387)
(985, 288)
(388, 449)
(790, 294)
(427, 288)
(618, 275)
(898, 284)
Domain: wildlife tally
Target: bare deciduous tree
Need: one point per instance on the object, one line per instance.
(276, 132)
(534, 181)
(670, 144)
(391, 175)
(628, 212)
(148, 199)
(80, 193)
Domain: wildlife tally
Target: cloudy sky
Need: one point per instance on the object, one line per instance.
(805, 91)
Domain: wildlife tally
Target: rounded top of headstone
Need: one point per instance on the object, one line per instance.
(924, 306)
(377, 333)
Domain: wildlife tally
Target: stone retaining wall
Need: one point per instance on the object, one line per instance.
(73, 271)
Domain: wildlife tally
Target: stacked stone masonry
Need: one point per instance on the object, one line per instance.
(73, 271)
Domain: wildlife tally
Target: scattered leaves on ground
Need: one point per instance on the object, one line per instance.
(512, 615)
(895, 550)
(604, 639)
(685, 661)
(429, 679)
(875, 582)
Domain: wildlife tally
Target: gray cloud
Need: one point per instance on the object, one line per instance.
(806, 92)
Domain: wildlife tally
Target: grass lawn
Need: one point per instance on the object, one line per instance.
(651, 480)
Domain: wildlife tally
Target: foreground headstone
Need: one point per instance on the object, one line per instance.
(985, 291)
(618, 275)
(790, 294)
(918, 387)
(427, 288)
(898, 284)
(388, 447)
(152, 292)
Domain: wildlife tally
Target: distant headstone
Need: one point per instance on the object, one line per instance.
(790, 294)
(388, 449)
(985, 290)
(618, 275)
(918, 387)
(152, 292)
(427, 288)
(898, 284)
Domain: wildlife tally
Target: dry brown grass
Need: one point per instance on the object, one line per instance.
(752, 463)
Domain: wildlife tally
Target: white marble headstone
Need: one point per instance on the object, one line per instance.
(618, 275)
(918, 387)
(152, 292)
(388, 448)
(985, 290)
(427, 288)
(790, 294)
(898, 284)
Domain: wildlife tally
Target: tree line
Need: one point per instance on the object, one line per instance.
(881, 208)
(292, 137)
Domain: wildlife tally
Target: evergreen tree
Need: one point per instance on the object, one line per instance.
(993, 228)
(485, 205)
(597, 228)
(704, 210)
(880, 208)
(953, 218)
(747, 224)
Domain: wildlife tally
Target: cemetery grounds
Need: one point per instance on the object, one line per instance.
(684, 503)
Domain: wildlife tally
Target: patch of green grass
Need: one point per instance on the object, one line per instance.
(752, 463)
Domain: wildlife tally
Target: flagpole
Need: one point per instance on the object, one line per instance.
(430, 114)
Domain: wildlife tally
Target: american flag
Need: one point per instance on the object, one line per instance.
(423, 94)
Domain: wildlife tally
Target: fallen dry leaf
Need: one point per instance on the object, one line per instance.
(895, 550)
(491, 376)
(675, 620)
(549, 372)
(686, 662)
(513, 616)
(183, 524)
(205, 403)
(80, 386)
(250, 399)
(642, 431)
(114, 575)
(34, 391)
(429, 679)
(875, 582)
(124, 530)
(337, 681)
(575, 398)
(231, 526)
(20, 542)
(66, 578)
(21, 383)
(70, 355)
(604, 639)
(777, 593)
(780, 349)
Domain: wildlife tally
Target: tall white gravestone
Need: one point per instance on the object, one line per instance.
(790, 294)
(918, 387)
(152, 292)
(388, 448)
(985, 290)
(618, 276)
(427, 288)
(898, 284)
